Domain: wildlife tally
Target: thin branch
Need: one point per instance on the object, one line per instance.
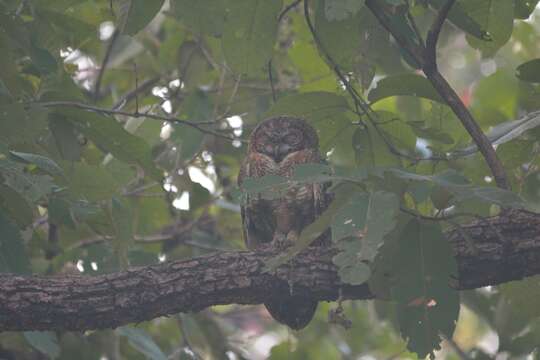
(195, 125)
(106, 58)
(287, 9)
(131, 95)
(413, 24)
(418, 53)
(271, 79)
(434, 32)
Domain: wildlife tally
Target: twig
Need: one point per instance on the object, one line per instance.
(195, 125)
(287, 9)
(108, 53)
(136, 86)
(145, 85)
(271, 79)
(419, 54)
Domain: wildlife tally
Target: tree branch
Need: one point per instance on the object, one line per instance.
(426, 58)
(170, 119)
(105, 301)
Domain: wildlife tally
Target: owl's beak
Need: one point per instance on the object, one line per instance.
(280, 151)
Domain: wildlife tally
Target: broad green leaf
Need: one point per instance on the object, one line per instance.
(313, 106)
(522, 295)
(142, 342)
(196, 108)
(362, 224)
(496, 17)
(59, 210)
(333, 32)
(109, 135)
(42, 59)
(92, 183)
(134, 15)
(524, 8)
(380, 220)
(16, 206)
(336, 10)
(31, 187)
(404, 84)
(498, 91)
(202, 16)
(423, 269)
(45, 342)
(65, 137)
(249, 35)
(122, 219)
(42, 162)
(12, 253)
(461, 19)
(529, 71)
(20, 124)
(371, 149)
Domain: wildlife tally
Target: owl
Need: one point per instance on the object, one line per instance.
(276, 146)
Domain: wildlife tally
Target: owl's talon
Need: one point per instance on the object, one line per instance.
(280, 240)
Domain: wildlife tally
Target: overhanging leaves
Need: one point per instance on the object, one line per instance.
(423, 269)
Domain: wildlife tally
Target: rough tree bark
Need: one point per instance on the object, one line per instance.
(506, 248)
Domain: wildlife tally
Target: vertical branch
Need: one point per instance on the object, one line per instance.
(426, 57)
(106, 58)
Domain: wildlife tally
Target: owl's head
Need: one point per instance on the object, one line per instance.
(280, 136)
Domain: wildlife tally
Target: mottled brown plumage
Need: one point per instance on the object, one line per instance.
(276, 145)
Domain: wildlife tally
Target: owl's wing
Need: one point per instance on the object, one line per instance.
(257, 215)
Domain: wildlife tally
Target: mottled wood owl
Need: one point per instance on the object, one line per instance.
(276, 145)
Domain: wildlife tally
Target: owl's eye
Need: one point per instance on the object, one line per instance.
(293, 138)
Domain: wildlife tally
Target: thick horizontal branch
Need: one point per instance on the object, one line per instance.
(498, 249)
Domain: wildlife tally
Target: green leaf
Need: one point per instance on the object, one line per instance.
(524, 8)
(423, 269)
(20, 124)
(65, 137)
(42, 162)
(336, 10)
(31, 187)
(202, 16)
(197, 107)
(331, 33)
(496, 17)
(42, 59)
(362, 225)
(16, 206)
(109, 135)
(249, 35)
(529, 71)
(134, 15)
(522, 295)
(12, 254)
(404, 84)
(122, 216)
(371, 149)
(93, 183)
(141, 341)
(45, 342)
(462, 20)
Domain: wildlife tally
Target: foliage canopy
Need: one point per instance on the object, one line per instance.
(123, 124)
